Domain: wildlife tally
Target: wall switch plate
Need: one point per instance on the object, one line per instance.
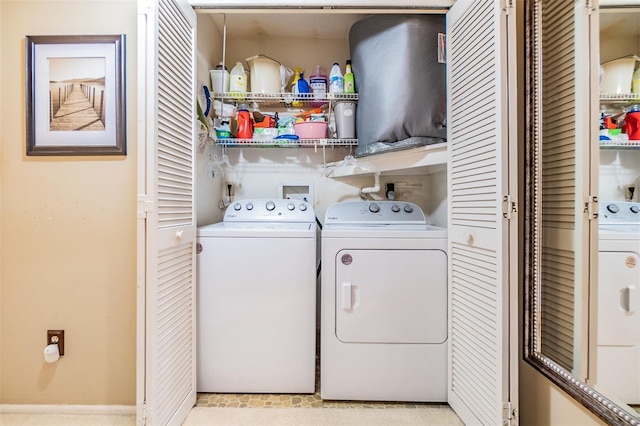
(56, 337)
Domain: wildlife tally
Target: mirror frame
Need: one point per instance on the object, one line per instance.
(600, 405)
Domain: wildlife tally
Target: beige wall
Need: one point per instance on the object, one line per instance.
(67, 258)
(543, 403)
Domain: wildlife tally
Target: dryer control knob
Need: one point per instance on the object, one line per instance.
(374, 208)
(613, 208)
(249, 206)
(270, 205)
(395, 208)
(634, 209)
(237, 206)
(303, 207)
(408, 208)
(291, 206)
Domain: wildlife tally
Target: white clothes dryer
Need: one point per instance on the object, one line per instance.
(384, 304)
(618, 358)
(256, 299)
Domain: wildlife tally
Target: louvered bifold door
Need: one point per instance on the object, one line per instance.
(563, 146)
(481, 42)
(167, 93)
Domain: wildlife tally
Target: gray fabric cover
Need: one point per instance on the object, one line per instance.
(401, 84)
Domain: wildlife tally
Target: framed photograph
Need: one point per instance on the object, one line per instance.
(75, 95)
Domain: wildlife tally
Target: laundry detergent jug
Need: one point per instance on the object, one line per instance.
(632, 122)
(245, 123)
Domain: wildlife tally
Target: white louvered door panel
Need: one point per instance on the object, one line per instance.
(483, 349)
(166, 195)
(564, 159)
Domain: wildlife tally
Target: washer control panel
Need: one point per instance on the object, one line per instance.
(269, 210)
(375, 212)
(619, 212)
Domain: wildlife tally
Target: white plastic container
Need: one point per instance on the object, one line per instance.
(220, 79)
(265, 74)
(618, 75)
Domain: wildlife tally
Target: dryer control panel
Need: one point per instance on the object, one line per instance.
(375, 212)
(619, 212)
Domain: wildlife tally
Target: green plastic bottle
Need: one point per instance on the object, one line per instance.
(349, 83)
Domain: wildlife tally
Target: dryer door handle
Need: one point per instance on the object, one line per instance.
(632, 295)
(347, 303)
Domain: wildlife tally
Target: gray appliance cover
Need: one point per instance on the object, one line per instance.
(400, 76)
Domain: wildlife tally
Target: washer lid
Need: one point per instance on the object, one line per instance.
(619, 232)
(258, 229)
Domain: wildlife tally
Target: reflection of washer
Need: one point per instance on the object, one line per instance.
(384, 304)
(618, 367)
(257, 299)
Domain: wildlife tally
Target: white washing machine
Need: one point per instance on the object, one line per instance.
(384, 304)
(256, 300)
(618, 359)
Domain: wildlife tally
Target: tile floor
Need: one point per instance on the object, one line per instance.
(314, 400)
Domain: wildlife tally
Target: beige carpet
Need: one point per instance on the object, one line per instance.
(66, 420)
(214, 416)
(205, 416)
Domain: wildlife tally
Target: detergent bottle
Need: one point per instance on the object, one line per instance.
(238, 81)
(299, 86)
(245, 123)
(336, 79)
(349, 81)
(319, 84)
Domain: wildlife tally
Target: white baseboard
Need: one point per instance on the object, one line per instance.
(129, 410)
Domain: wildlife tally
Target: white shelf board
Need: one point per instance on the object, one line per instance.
(414, 161)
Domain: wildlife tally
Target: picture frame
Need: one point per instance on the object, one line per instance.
(75, 95)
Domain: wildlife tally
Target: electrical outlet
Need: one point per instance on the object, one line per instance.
(229, 189)
(56, 337)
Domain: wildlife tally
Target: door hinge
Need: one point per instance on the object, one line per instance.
(509, 207)
(591, 207)
(144, 206)
(507, 6)
(142, 420)
(509, 414)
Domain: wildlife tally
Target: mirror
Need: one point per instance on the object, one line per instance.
(561, 205)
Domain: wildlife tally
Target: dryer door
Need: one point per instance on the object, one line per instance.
(618, 299)
(391, 296)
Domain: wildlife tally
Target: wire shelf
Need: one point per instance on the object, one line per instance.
(285, 99)
(285, 143)
(620, 145)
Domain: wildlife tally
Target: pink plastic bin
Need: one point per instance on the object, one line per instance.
(311, 129)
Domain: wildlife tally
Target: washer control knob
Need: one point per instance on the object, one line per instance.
(408, 208)
(395, 208)
(249, 206)
(635, 209)
(270, 205)
(303, 207)
(613, 208)
(237, 206)
(374, 208)
(291, 206)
